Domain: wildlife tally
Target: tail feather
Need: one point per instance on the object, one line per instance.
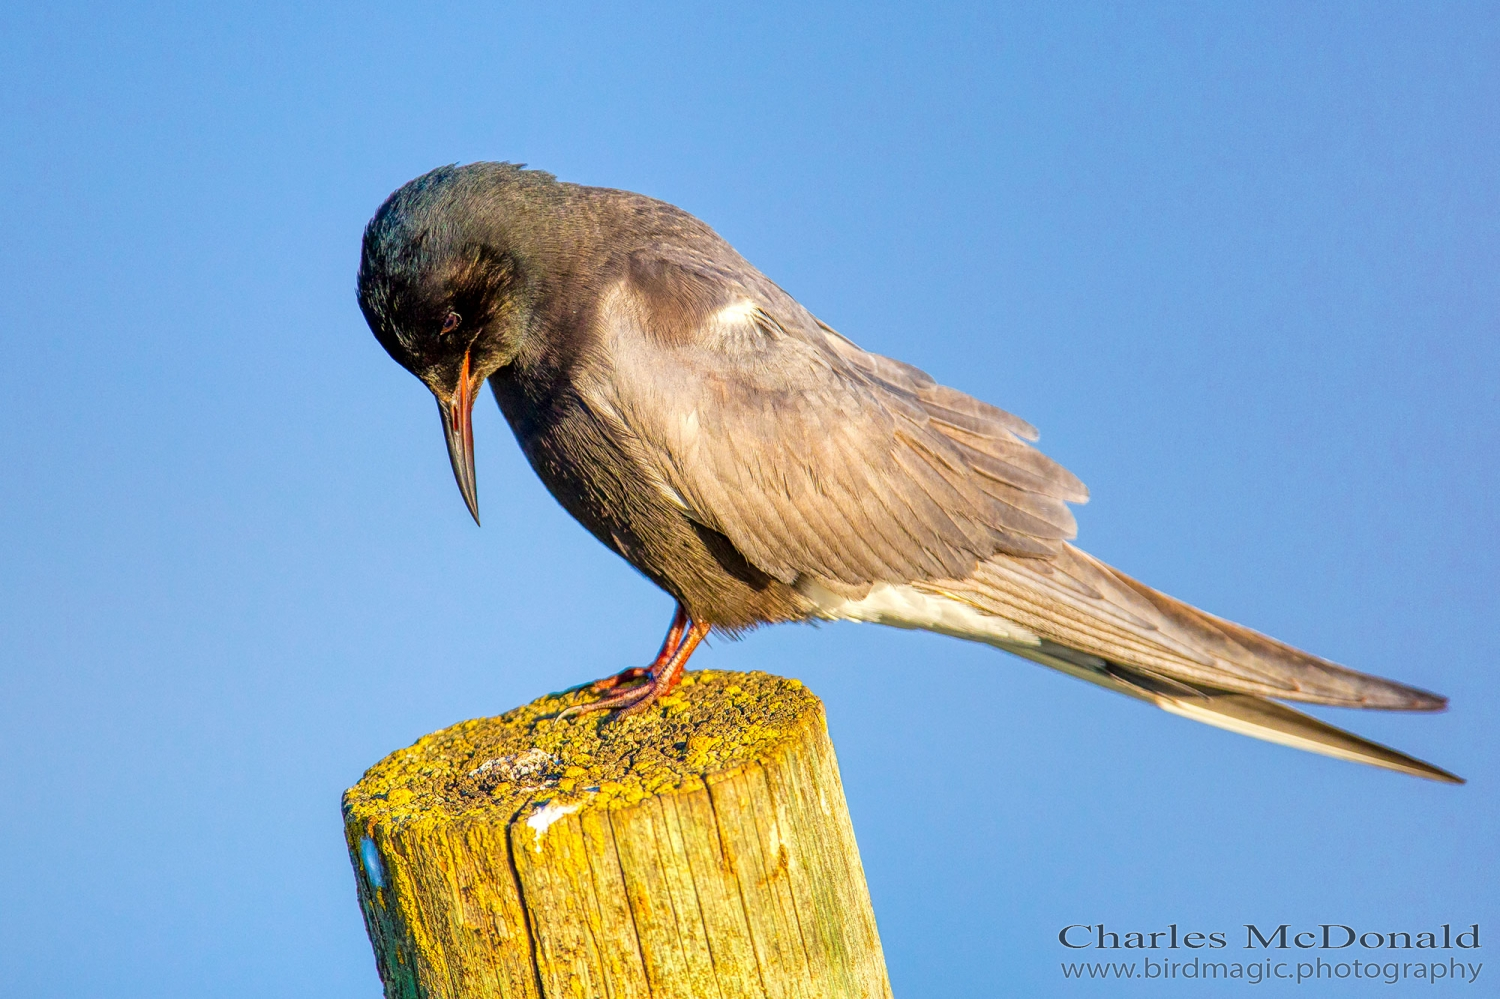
(1079, 602)
(1245, 714)
(1078, 615)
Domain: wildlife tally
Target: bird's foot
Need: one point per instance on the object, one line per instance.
(624, 676)
(625, 702)
(661, 676)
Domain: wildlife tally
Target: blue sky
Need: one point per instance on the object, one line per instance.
(1239, 266)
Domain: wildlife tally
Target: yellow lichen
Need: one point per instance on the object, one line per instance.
(714, 721)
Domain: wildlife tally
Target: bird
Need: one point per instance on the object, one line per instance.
(761, 468)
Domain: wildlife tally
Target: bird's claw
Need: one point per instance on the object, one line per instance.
(661, 676)
(624, 676)
(625, 702)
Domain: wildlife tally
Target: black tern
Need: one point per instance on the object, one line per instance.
(762, 468)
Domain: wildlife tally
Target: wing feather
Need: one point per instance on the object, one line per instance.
(814, 458)
(825, 465)
(1086, 605)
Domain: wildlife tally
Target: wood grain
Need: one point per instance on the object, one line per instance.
(702, 849)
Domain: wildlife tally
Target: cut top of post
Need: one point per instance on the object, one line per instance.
(526, 760)
(699, 849)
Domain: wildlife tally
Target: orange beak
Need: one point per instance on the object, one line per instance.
(458, 428)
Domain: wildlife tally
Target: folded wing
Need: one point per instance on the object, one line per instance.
(815, 458)
(888, 497)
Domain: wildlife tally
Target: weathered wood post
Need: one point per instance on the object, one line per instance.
(701, 849)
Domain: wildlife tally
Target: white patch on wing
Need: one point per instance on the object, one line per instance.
(736, 312)
(675, 498)
(688, 422)
(738, 326)
(903, 606)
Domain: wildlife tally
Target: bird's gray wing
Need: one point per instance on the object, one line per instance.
(1085, 618)
(813, 457)
(1119, 626)
(827, 465)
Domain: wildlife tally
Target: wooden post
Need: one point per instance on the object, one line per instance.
(700, 849)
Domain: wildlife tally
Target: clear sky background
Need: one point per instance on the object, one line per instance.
(1242, 268)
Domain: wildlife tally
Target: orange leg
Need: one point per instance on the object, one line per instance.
(661, 676)
(669, 646)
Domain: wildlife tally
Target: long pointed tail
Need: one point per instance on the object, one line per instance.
(1246, 714)
(1078, 615)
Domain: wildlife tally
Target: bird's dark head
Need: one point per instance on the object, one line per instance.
(442, 284)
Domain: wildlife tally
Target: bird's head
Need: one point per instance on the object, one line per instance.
(441, 285)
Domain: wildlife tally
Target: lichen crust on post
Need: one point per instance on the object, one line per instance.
(701, 848)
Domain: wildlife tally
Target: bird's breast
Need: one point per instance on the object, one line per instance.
(591, 463)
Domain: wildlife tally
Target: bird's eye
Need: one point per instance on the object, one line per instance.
(450, 323)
